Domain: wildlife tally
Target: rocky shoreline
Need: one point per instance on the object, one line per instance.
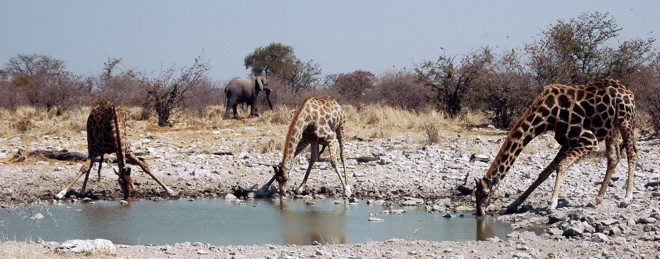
(214, 163)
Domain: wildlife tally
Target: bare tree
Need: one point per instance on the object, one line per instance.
(45, 82)
(166, 92)
(452, 82)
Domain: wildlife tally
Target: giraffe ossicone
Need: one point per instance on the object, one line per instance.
(318, 121)
(580, 116)
(106, 134)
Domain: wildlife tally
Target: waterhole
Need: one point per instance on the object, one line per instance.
(220, 222)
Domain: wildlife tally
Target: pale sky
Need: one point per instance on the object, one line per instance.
(341, 36)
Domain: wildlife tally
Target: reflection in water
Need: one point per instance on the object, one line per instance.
(220, 222)
(309, 223)
(484, 230)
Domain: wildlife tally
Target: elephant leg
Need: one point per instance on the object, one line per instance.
(83, 169)
(253, 110)
(227, 111)
(235, 107)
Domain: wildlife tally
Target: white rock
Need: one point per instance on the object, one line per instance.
(92, 247)
(37, 216)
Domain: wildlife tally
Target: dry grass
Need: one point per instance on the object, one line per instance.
(372, 121)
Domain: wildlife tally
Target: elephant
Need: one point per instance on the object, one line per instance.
(245, 90)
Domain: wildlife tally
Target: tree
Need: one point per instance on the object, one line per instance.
(274, 59)
(121, 86)
(400, 89)
(579, 51)
(166, 92)
(279, 60)
(505, 90)
(44, 81)
(353, 86)
(451, 82)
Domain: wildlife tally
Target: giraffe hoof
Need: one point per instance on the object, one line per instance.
(171, 192)
(347, 191)
(60, 195)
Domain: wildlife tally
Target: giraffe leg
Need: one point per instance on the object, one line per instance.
(312, 159)
(573, 155)
(612, 148)
(82, 190)
(341, 156)
(100, 165)
(631, 153)
(334, 151)
(513, 207)
(83, 169)
(146, 169)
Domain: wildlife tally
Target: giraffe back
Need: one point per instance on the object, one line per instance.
(315, 119)
(600, 107)
(106, 130)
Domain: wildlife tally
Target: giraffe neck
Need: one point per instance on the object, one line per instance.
(525, 129)
(294, 134)
(121, 154)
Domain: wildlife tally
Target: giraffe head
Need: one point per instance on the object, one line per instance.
(482, 193)
(280, 175)
(125, 182)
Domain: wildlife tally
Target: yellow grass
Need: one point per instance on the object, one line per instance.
(370, 122)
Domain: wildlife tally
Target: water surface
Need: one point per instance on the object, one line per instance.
(221, 222)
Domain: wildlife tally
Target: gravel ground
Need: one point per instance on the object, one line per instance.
(201, 164)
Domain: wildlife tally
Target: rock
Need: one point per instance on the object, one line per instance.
(573, 231)
(372, 218)
(15, 141)
(480, 158)
(384, 161)
(37, 216)
(556, 216)
(614, 231)
(608, 222)
(646, 220)
(88, 247)
(599, 237)
(230, 196)
(555, 231)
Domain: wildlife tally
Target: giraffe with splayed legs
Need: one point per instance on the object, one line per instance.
(580, 116)
(106, 133)
(318, 121)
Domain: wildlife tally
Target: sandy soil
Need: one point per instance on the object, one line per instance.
(200, 163)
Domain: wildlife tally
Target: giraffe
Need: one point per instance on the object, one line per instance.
(580, 116)
(317, 121)
(106, 133)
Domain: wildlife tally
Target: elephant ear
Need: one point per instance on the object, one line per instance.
(260, 82)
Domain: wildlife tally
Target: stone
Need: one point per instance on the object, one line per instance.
(88, 247)
(15, 141)
(37, 216)
(371, 218)
(599, 237)
(573, 231)
(555, 231)
(556, 216)
(646, 220)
